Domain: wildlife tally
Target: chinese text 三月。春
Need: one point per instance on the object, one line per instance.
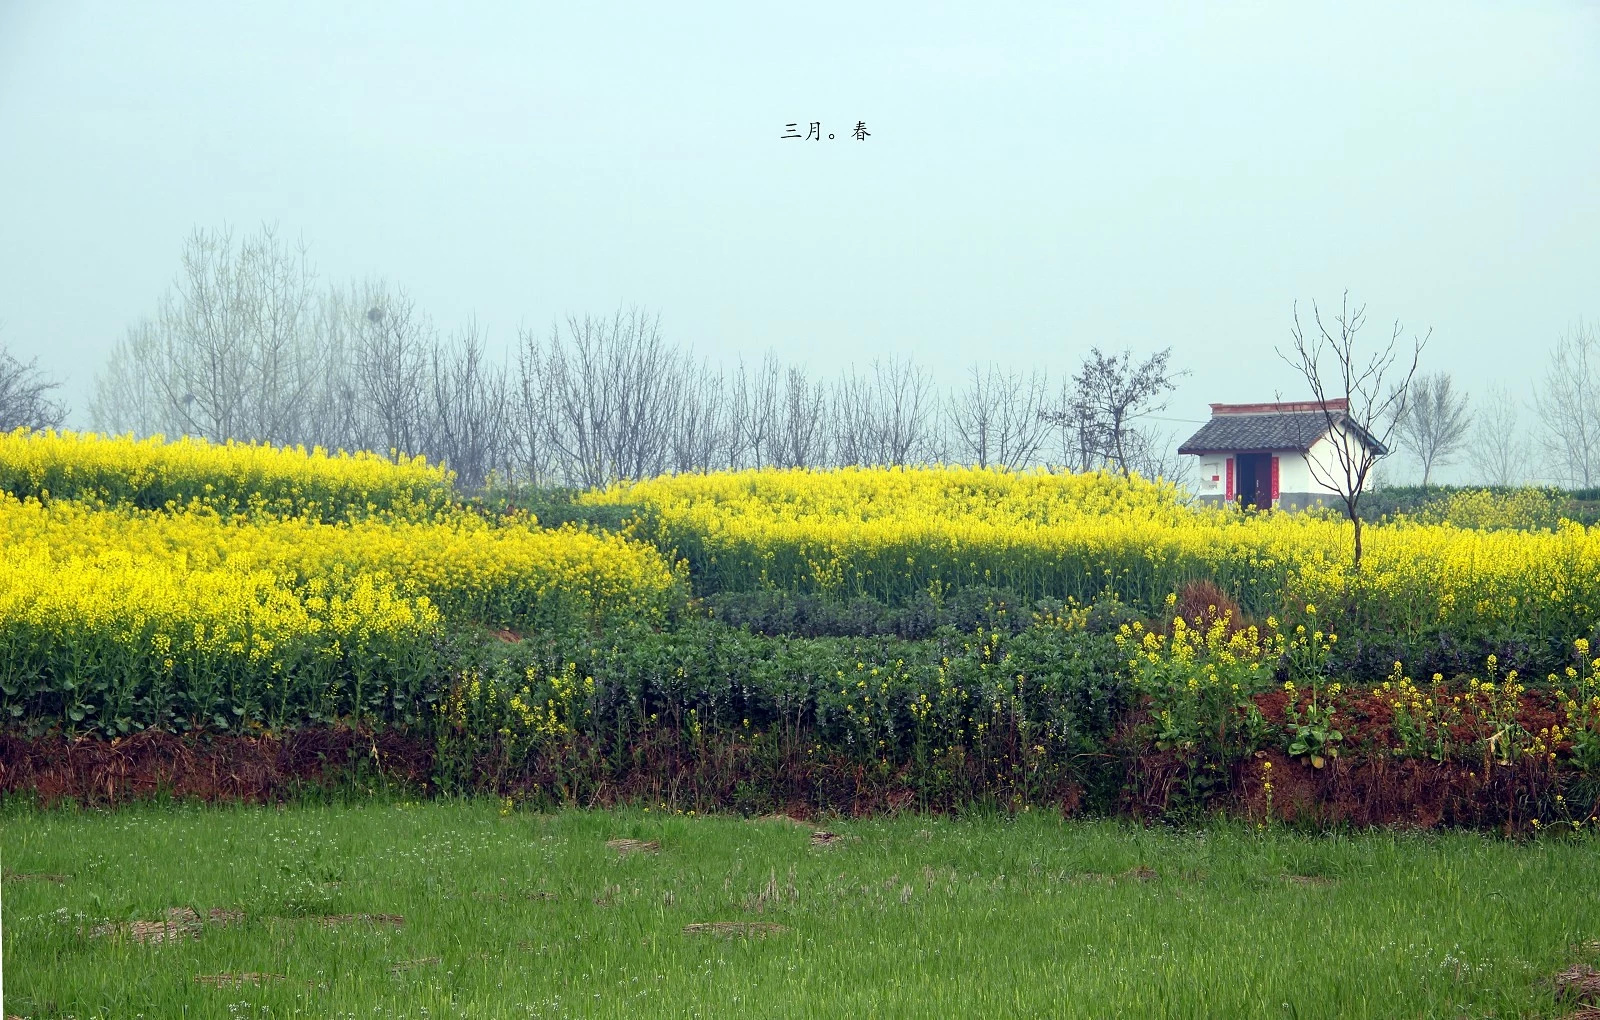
(814, 131)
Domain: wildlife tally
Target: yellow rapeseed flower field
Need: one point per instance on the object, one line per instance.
(895, 532)
(231, 477)
(222, 584)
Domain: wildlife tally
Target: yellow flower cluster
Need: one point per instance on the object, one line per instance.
(230, 477)
(896, 532)
(543, 706)
(153, 600)
(513, 574)
(1525, 508)
(105, 633)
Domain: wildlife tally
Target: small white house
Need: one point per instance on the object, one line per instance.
(1281, 455)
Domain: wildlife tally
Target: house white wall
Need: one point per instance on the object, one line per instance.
(1325, 455)
(1294, 474)
(1299, 474)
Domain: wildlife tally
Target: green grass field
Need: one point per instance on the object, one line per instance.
(457, 910)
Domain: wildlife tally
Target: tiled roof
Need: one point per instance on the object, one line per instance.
(1278, 430)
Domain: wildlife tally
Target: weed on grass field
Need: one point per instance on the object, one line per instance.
(469, 910)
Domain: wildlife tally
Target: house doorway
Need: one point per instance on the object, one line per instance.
(1255, 480)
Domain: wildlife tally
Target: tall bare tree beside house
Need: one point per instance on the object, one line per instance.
(1569, 407)
(1499, 447)
(1153, 453)
(1362, 397)
(1436, 422)
(25, 401)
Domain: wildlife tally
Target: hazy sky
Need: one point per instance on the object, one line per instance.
(1038, 178)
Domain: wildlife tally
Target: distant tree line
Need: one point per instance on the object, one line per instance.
(248, 345)
(1438, 423)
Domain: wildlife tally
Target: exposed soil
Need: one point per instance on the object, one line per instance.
(735, 929)
(339, 920)
(1372, 791)
(1366, 785)
(1580, 982)
(236, 980)
(96, 771)
(179, 923)
(634, 846)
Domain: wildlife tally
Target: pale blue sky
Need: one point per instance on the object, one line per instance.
(1039, 177)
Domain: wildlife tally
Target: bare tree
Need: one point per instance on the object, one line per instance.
(1499, 447)
(1362, 399)
(995, 419)
(974, 416)
(235, 363)
(124, 397)
(801, 440)
(1153, 453)
(697, 434)
(25, 402)
(332, 413)
(531, 416)
(761, 419)
(905, 406)
(616, 389)
(231, 353)
(392, 347)
(1569, 407)
(1435, 422)
(1108, 398)
(468, 410)
(853, 419)
(1075, 428)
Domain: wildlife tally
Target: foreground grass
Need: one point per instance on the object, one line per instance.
(528, 915)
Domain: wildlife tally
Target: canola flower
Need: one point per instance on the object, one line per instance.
(512, 574)
(894, 533)
(117, 640)
(108, 616)
(229, 477)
